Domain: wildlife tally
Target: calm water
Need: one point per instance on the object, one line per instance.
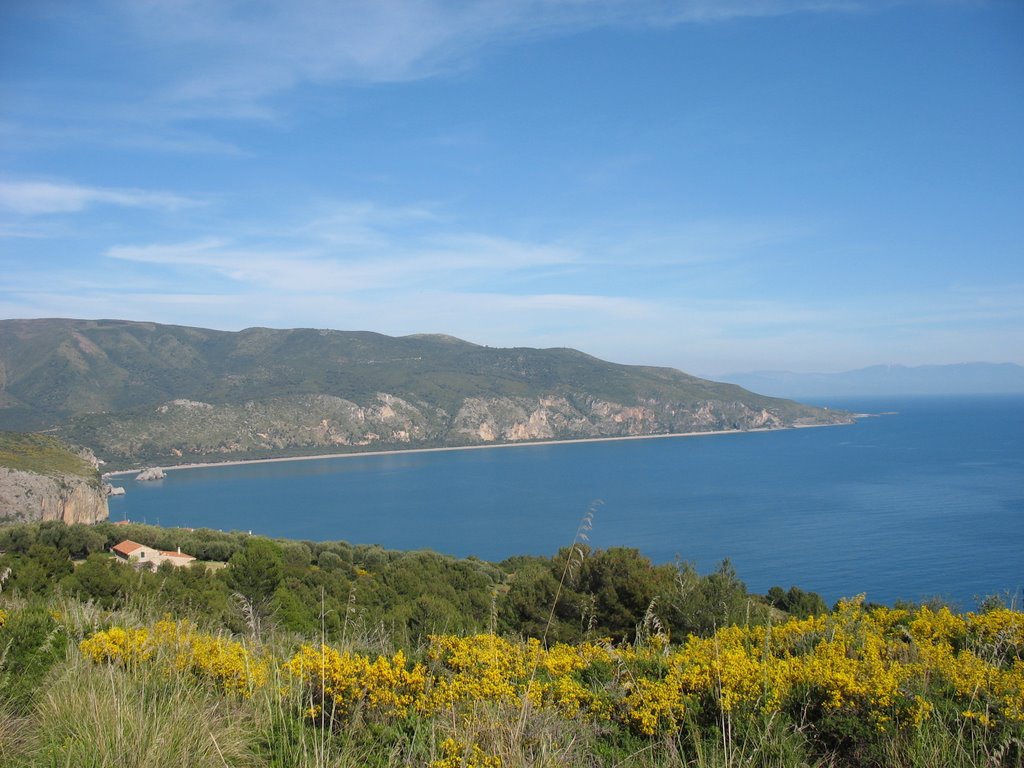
(926, 502)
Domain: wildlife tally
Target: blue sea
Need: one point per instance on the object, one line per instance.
(925, 500)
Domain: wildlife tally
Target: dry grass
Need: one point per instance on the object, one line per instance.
(103, 716)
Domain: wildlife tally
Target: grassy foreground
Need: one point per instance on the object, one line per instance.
(85, 686)
(277, 653)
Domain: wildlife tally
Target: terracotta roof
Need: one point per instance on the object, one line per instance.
(126, 547)
(178, 554)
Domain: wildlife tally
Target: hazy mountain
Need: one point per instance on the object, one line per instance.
(147, 392)
(960, 379)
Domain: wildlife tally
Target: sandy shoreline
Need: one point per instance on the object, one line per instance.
(400, 451)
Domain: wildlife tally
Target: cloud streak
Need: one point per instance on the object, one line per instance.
(453, 260)
(242, 59)
(412, 268)
(239, 56)
(32, 198)
(407, 270)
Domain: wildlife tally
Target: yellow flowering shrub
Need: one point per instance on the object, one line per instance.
(570, 698)
(887, 667)
(999, 632)
(563, 659)
(795, 636)
(225, 662)
(725, 666)
(3, 617)
(455, 754)
(476, 668)
(653, 706)
(338, 684)
(117, 644)
(933, 628)
(178, 645)
(879, 665)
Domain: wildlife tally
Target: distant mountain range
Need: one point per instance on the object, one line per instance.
(148, 393)
(960, 379)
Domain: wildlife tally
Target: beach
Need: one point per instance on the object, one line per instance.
(399, 451)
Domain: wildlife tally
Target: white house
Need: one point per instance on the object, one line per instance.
(139, 554)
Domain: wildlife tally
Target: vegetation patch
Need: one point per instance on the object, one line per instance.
(44, 455)
(315, 654)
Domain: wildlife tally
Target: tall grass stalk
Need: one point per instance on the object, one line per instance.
(14, 730)
(573, 562)
(575, 559)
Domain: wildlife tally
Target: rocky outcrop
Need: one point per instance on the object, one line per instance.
(28, 496)
(190, 430)
(517, 419)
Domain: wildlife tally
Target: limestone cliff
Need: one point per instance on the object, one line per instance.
(506, 419)
(28, 496)
(41, 478)
(182, 430)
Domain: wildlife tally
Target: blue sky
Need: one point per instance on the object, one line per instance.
(714, 185)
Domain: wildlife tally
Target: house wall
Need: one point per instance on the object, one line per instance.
(146, 555)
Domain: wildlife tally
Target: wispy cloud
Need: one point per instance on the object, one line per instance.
(343, 262)
(239, 55)
(699, 334)
(94, 128)
(410, 269)
(41, 197)
(196, 61)
(416, 268)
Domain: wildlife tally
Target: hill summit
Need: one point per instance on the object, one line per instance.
(143, 392)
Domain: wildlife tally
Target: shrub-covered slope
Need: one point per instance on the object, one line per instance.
(143, 391)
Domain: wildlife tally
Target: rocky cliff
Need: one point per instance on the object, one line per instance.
(554, 417)
(28, 496)
(187, 430)
(44, 479)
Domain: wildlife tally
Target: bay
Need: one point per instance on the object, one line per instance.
(924, 501)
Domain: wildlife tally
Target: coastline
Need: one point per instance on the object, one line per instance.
(438, 449)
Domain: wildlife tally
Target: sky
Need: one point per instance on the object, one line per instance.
(713, 185)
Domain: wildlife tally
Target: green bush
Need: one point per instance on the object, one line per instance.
(31, 642)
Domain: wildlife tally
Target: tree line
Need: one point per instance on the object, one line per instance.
(243, 582)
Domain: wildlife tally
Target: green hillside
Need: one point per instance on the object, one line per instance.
(43, 455)
(132, 391)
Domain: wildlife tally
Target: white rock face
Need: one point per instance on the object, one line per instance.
(153, 473)
(27, 496)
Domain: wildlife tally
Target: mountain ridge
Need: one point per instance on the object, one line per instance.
(142, 392)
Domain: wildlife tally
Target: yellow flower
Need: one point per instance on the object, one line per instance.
(889, 667)
(455, 754)
(345, 682)
(653, 706)
(225, 662)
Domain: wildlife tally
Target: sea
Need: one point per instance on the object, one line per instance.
(922, 499)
